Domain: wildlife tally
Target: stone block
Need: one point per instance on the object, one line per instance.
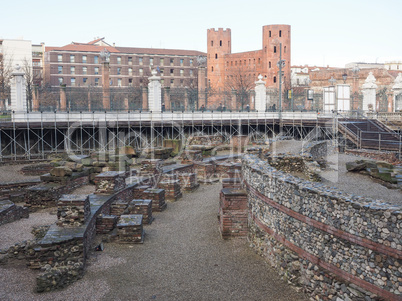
(109, 182)
(172, 189)
(119, 207)
(158, 199)
(174, 144)
(61, 171)
(188, 181)
(73, 210)
(105, 223)
(130, 229)
(75, 167)
(138, 191)
(87, 162)
(143, 207)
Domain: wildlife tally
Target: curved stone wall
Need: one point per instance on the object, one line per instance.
(330, 243)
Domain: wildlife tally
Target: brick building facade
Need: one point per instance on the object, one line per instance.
(224, 66)
(80, 64)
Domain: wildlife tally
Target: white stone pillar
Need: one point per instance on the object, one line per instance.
(154, 93)
(397, 90)
(369, 89)
(260, 95)
(18, 91)
(343, 97)
(329, 102)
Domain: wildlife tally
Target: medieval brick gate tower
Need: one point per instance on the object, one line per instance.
(224, 66)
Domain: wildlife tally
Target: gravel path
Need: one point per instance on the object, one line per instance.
(11, 173)
(20, 230)
(182, 258)
(355, 183)
(338, 177)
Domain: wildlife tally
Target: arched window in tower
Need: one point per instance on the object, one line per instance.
(269, 64)
(212, 43)
(269, 33)
(216, 55)
(265, 50)
(284, 49)
(274, 79)
(212, 69)
(280, 33)
(220, 43)
(274, 49)
(259, 61)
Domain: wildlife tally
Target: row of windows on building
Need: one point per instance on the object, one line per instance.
(221, 43)
(85, 82)
(141, 61)
(259, 59)
(119, 71)
(245, 63)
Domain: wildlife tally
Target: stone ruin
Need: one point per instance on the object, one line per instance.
(117, 210)
(388, 174)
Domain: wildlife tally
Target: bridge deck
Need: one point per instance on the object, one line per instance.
(125, 119)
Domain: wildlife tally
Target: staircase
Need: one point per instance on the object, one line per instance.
(370, 134)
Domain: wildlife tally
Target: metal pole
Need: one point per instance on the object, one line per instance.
(280, 90)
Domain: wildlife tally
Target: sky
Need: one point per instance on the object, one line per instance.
(323, 32)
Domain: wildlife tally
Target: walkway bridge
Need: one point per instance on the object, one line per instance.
(33, 135)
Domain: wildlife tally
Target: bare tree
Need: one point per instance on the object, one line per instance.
(191, 85)
(144, 78)
(241, 82)
(5, 77)
(29, 81)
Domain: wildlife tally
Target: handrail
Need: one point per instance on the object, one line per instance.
(386, 137)
(379, 123)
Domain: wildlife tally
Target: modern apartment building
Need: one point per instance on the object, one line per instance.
(80, 64)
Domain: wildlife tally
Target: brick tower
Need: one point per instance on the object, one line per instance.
(219, 43)
(272, 36)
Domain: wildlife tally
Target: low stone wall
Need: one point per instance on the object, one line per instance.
(389, 157)
(318, 149)
(294, 163)
(47, 194)
(330, 243)
(61, 254)
(10, 212)
(212, 140)
(36, 169)
(17, 186)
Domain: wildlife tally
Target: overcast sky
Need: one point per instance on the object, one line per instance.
(323, 32)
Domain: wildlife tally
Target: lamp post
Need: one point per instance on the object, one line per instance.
(309, 95)
(105, 55)
(344, 77)
(280, 64)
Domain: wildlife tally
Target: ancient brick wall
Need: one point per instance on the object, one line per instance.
(331, 243)
(46, 195)
(233, 213)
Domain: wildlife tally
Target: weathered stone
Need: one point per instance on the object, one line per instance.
(61, 171)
